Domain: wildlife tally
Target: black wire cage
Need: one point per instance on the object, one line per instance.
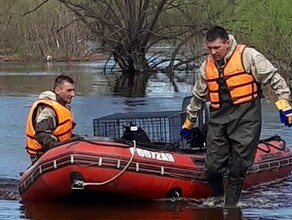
(160, 127)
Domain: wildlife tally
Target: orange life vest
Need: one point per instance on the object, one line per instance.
(241, 84)
(63, 131)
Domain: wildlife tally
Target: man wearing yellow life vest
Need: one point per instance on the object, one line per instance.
(230, 79)
(50, 120)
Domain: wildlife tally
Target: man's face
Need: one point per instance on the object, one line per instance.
(65, 92)
(218, 48)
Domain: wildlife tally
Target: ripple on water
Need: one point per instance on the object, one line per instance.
(268, 214)
(10, 210)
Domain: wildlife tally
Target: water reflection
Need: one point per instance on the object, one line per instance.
(31, 84)
(10, 210)
(29, 78)
(155, 210)
(17, 79)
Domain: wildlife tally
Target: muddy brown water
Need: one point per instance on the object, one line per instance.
(19, 86)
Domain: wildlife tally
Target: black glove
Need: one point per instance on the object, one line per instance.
(198, 139)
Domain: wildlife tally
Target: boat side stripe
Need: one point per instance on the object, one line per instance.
(194, 174)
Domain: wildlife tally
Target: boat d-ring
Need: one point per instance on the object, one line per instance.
(77, 181)
(174, 193)
(77, 185)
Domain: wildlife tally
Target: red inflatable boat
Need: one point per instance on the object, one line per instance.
(105, 167)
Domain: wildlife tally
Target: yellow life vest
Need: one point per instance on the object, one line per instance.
(241, 84)
(64, 123)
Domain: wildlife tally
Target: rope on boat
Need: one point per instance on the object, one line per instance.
(268, 145)
(82, 184)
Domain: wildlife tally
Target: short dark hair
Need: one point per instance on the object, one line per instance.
(215, 33)
(61, 79)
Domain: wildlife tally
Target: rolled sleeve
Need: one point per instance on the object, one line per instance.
(200, 95)
(265, 73)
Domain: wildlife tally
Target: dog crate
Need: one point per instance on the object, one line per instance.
(160, 127)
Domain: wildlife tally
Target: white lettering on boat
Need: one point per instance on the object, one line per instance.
(153, 155)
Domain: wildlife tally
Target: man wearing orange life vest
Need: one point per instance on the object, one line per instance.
(230, 79)
(50, 120)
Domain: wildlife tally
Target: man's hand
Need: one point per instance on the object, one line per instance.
(286, 117)
(186, 130)
(285, 111)
(186, 133)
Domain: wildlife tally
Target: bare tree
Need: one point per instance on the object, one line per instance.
(128, 29)
(123, 27)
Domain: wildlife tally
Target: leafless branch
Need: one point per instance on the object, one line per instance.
(65, 26)
(36, 8)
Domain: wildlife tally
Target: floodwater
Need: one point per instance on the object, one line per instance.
(21, 83)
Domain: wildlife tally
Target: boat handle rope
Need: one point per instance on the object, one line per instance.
(269, 145)
(80, 184)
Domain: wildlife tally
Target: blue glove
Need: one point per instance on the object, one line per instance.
(286, 117)
(285, 111)
(186, 130)
(186, 133)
